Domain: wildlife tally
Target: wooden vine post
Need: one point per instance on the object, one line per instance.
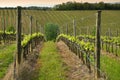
(98, 47)
(18, 35)
(3, 26)
(88, 30)
(43, 29)
(31, 18)
(109, 30)
(4, 34)
(62, 29)
(40, 28)
(36, 26)
(18, 43)
(74, 28)
(117, 33)
(67, 29)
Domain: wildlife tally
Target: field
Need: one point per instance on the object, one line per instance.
(83, 20)
(50, 62)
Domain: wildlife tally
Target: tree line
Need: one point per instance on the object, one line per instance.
(75, 6)
(87, 6)
(28, 8)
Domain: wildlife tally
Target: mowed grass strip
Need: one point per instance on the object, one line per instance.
(51, 64)
(6, 58)
(111, 66)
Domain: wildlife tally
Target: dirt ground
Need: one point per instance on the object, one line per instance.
(76, 69)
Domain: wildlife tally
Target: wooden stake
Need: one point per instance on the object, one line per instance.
(67, 29)
(18, 34)
(40, 29)
(117, 33)
(98, 47)
(31, 18)
(4, 30)
(36, 26)
(31, 25)
(109, 30)
(88, 30)
(63, 29)
(74, 28)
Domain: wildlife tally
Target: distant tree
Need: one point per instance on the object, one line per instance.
(87, 6)
(51, 31)
(101, 5)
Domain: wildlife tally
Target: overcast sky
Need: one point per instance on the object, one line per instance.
(14, 3)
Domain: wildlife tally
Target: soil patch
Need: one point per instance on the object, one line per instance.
(76, 69)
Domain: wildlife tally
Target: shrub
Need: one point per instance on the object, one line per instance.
(51, 31)
(10, 29)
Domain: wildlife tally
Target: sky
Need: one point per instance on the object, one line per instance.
(49, 3)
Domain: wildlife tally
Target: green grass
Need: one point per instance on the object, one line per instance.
(51, 64)
(6, 57)
(111, 67)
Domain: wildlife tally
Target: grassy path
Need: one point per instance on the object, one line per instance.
(111, 66)
(52, 59)
(57, 62)
(6, 58)
(51, 66)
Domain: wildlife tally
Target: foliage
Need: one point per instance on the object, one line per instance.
(51, 31)
(103, 38)
(87, 46)
(37, 8)
(28, 38)
(10, 29)
(87, 6)
(7, 33)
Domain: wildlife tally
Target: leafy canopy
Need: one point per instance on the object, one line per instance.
(51, 31)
